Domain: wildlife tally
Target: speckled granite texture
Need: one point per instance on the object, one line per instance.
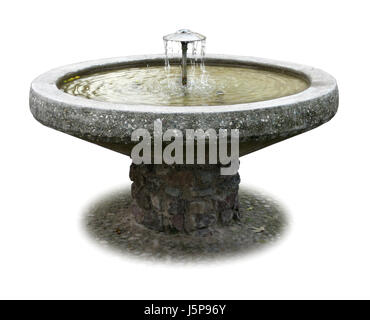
(260, 123)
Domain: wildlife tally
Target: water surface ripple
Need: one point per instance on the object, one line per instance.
(217, 85)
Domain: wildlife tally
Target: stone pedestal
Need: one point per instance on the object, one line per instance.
(183, 198)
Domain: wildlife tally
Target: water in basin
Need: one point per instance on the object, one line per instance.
(210, 86)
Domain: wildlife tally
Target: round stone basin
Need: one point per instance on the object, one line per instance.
(104, 101)
(310, 99)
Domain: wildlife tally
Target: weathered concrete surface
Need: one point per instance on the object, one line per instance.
(260, 123)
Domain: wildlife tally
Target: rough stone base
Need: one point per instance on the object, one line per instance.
(181, 198)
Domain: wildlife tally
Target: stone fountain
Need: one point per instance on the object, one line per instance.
(105, 101)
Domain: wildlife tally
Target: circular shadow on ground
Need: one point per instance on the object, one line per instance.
(109, 221)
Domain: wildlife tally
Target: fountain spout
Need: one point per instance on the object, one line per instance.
(184, 75)
(184, 36)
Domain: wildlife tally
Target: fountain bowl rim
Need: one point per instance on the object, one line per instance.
(111, 124)
(46, 85)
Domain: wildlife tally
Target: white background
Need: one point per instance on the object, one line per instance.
(48, 178)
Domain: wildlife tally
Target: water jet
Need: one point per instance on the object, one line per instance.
(185, 37)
